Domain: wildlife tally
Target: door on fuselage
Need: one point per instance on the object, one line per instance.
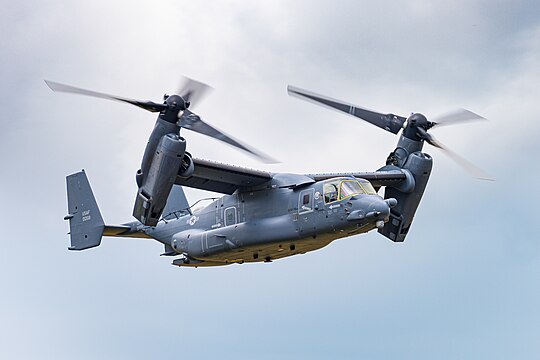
(306, 219)
(230, 216)
(332, 208)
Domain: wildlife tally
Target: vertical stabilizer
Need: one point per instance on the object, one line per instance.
(85, 221)
(176, 204)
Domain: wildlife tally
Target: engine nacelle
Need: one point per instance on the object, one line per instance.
(155, 186)
(408, 196)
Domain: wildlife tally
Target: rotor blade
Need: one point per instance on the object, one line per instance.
(472, 169)
(388, 122)
(456, 116)
(193, 122)
(193, 90)
(146, 105)
(422, 133)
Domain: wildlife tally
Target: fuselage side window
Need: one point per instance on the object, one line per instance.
(230, 216)
(305, 201)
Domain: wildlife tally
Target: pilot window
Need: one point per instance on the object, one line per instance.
(366, 185)
(350, 188)
(340, 189)
(330, 190)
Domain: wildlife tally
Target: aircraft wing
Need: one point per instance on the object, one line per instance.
(226, 179)
(222, 178)
(376, 178)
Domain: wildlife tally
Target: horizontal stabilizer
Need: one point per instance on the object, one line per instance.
(130, 230)
(115, 230)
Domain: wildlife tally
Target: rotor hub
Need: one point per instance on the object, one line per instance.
(176, 102)
(175, 105)
(414, 122)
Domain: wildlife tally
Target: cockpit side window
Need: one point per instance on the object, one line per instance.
(330, 190)
(344, 188)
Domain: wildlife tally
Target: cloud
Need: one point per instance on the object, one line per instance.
(460, 285)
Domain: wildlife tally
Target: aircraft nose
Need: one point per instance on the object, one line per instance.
(382, 213)
(373, 208)
(378, 209)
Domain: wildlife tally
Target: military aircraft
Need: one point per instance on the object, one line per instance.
(262, 216)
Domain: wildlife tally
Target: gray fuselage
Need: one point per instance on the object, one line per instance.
(291, 214)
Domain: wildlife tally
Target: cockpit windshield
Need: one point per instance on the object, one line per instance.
(366, 185)
(350, 188)
(340, 189)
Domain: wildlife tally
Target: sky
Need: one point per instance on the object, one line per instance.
(464, 284)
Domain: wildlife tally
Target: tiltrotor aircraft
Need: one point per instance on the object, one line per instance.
(263, 216)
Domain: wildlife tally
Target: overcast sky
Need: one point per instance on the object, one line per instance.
(465, 284)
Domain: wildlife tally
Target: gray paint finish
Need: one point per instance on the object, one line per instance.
(268, 217)
(263, 216)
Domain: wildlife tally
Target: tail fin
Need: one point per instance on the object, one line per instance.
(85, 221)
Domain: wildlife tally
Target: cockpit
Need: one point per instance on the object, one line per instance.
(343, 188)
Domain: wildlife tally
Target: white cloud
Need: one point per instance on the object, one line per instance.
(413, 56)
